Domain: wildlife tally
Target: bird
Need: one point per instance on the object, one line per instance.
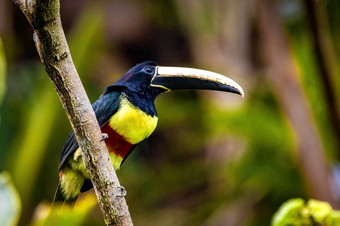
(127, 115)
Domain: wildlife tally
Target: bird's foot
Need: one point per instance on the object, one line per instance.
(122, 190)
(104, 136)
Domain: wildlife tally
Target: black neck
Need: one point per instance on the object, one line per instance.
(145, 100)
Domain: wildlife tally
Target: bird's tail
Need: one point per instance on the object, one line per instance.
(59, 197)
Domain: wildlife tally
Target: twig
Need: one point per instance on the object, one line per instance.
(50, 41)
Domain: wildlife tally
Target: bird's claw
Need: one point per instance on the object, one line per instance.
(104, 136)
(123, 191)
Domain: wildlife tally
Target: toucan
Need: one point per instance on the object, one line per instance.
(127, 115)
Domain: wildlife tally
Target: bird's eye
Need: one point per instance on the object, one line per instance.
(148, 70)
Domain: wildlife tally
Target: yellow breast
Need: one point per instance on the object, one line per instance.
(132, 123)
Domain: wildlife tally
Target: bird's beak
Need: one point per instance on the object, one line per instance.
(177, 78)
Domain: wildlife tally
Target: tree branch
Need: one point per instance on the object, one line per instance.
(283, 76)
(50, 41)
(317, 26)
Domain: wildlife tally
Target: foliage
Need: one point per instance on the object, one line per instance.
(297, 212)
(64, 215)
(45, 214)
(10, 205)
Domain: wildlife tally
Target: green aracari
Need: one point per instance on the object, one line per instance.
(127, 115)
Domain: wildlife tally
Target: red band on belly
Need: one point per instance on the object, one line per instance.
(115, 142)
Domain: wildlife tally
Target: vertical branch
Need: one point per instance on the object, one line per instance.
(318, 40)
(49, 38)
(283, 76)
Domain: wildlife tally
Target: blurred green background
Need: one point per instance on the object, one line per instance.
(214, 159)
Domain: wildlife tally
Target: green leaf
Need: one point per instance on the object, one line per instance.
(290, 213)
(295, 212)
(86, 39)
(319, 210)
(34, 139)
(64, 215)
(333, 219)
(10, 205)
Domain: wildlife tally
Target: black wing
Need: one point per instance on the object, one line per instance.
(104, 108)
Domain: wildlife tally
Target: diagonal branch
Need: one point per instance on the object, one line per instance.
(50, 41)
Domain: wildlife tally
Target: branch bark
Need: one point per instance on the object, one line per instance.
(50, 41)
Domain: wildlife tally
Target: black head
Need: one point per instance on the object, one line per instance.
(137, 79)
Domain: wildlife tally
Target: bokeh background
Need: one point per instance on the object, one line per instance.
(215, 158)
